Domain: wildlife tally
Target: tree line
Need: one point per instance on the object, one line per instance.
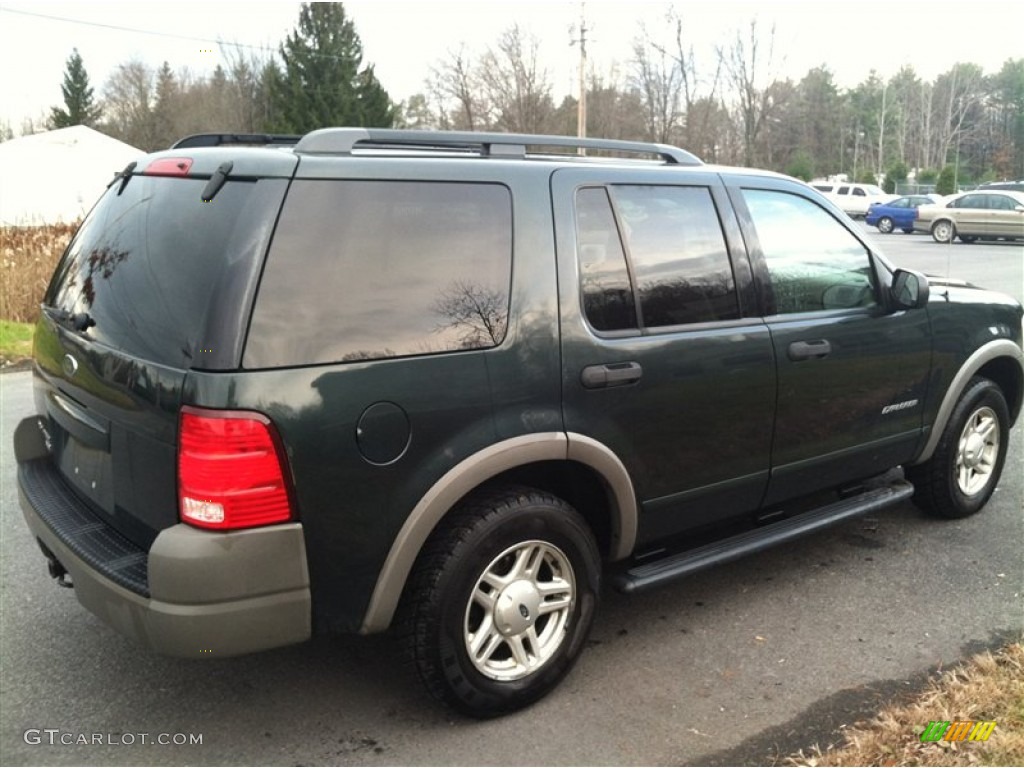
(729, 107)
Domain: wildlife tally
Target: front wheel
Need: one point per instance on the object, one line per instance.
(501, 600)
(943, 231)
(963, 472)
(885, 225)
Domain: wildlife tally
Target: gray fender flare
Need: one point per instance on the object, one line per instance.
(993, 350)
(477, 469)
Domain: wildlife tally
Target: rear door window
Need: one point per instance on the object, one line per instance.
(363, 270)
(675, 264)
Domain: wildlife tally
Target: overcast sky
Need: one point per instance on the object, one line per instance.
(404, 38)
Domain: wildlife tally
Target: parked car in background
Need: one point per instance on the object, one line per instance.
(974, 215)
(897, 214)
(854, 199)
(992, 186)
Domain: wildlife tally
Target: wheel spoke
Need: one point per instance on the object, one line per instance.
(519, 652)
(987, 429)
(557, 604)
(534, 562)
(485, 643)
(485, 598)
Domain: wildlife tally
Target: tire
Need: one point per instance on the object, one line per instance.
(943, 231)
(963, 472)
(885, 225)
(968, 238)
(501, 600)
(908, 231)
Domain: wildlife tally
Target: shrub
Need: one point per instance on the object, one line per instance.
(946, 184)
(28, 256)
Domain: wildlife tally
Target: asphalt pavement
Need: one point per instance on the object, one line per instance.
(733, 666)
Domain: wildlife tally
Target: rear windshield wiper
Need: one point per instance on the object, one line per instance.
(125, 176)
(217, 180)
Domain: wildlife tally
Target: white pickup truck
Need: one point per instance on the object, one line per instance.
(854, 199)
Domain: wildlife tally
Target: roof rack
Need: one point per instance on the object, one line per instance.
(342, 141)
(218, 139)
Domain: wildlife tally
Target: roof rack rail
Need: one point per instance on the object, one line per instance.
(342, 141)
(218, 139)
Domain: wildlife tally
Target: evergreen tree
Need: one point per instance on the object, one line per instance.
(946, 184)
(323, 83)
(80, 108)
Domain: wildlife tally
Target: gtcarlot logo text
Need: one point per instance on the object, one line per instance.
(54, 737)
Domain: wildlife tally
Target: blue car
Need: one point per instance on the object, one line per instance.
(896, 214)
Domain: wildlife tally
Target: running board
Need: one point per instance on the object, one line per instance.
(672, 567)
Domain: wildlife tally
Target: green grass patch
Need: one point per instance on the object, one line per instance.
(15, 341)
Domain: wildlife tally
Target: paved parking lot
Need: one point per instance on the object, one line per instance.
(724, 667)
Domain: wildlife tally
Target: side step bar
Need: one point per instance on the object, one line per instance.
(677, 566)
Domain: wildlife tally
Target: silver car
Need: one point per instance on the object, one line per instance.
(972, 215)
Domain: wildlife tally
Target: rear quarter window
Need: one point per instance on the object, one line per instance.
(364, 270)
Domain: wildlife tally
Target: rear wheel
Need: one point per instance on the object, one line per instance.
(885, 225)
(943, 231)
(501, 600)
(963, 472)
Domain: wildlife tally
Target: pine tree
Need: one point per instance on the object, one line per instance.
(323, 83)
(80, 108)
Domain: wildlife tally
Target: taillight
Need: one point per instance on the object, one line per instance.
(230, 470)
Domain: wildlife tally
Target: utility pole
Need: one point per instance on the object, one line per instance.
(581, 109)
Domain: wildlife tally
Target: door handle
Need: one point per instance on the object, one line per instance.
(809, 350)
(611, 375)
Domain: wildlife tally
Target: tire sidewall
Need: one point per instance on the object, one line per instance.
(559, 526)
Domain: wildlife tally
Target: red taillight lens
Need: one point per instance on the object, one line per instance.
(169, 166)
(230, 470)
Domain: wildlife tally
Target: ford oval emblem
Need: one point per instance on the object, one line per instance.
(70, 366)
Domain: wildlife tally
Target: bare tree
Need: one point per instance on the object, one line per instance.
(129, 97)
(518, 89)
(748, 64)
(658, 78)
(458, 93)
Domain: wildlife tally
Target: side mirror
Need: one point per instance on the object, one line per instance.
(909, 289)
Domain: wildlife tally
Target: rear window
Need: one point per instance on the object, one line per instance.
(145, 263)
(363, 270)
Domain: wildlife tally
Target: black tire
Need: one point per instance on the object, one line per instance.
(943, 231)
(963, 472)
(885, 225)
(968, 238)
(443, 611)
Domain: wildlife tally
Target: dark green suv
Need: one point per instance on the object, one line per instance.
(449, 383)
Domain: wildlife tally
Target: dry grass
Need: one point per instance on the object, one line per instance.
(28, 256)
(989, 687)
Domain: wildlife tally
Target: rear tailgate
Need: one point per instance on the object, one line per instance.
(155, 282)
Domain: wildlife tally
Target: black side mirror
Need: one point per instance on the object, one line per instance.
(909, 289)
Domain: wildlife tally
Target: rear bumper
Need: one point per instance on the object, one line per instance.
(194, 593)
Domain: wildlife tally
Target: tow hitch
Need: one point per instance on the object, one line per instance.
(56, 568)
